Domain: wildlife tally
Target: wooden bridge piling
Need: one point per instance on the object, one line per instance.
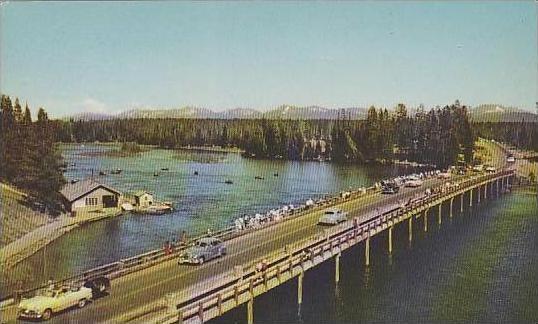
(337, 268)
(410, 229)
(390, 239)
(300, 288)
(250, 310)
(451, 205)
(425, 220)
(439, 214)
(367, 250)
(471, 197)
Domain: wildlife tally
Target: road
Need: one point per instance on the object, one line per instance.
(144, 287)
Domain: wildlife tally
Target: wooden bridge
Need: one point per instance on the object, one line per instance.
(170, 293)
(292, 262)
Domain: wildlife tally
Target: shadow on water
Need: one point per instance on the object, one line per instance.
(418, 281)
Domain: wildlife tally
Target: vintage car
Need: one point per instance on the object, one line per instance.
(444, 175)
(332, 217)
(413, 183)
(389, 188)
(52, 299)
(203, 250)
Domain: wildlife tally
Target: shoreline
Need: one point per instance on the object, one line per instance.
(34, 241)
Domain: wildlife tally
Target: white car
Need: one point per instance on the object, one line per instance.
(51, 300)
(490, 169)
(332, 217)
(444, 175)
(413, 183)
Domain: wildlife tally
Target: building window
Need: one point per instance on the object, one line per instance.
(91, 201)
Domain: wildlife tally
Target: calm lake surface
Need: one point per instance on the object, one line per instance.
(201, 202)
(479, 267)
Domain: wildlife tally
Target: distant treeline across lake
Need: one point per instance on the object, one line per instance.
(439, 136)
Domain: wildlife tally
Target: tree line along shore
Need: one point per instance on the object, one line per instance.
(441, 136)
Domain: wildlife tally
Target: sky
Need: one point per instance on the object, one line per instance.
(108, 57)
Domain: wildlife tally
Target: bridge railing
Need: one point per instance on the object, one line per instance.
(138, 262)
(197, 305)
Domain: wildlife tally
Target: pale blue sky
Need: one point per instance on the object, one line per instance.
(109, 57)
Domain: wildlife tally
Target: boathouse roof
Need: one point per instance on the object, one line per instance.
(73, 191)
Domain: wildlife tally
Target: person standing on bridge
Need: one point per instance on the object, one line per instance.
(183, 237)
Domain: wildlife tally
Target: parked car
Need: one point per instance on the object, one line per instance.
(510, 159)
(490, 169)
(52, 300)
(333, 216)
(444, 175)
(203, 250)
(413, 183)
(389, 188)
(478, 168)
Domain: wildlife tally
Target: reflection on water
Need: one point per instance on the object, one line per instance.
(201, 201)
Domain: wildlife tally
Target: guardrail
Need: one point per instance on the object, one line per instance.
(233, 291)
(138, 262)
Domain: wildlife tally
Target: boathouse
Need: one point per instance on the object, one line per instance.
(89, 195)
(143, 199)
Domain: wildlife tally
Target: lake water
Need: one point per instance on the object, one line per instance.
(201, 201)
(481, 267)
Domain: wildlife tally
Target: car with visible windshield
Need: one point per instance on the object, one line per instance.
(203, 250)
(52, 300)
(332, 216)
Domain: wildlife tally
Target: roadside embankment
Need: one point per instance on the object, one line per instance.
(25, 230)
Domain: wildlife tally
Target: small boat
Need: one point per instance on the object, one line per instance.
(195, 172)
(117, 171)
(164, 169)
(276, 174)
(74, 181)
(259, 178)
(228, 182)
(127, 206)
(156, 174)
(158, 209)
(102, 173)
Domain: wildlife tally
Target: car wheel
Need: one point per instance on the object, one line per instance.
(81, 303)
(47, 314)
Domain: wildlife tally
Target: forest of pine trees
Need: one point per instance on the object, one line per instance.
(28, 157)
(440, 136)
(522, 134)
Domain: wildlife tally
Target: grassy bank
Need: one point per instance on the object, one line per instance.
(18, 217)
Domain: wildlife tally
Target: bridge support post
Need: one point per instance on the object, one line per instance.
(451, 205)
(411, 229)
(250, 310)
(337, 268)
(300, 289)
(367, 250)
(461, 202)
(479, 189)
(425, 220)
(390, 239)
(439, 215)
(471, 197)
(497, 187)
(486, 191)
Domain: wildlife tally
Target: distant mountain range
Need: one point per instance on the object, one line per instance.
(282, 112)
(481, 113)
(498, 113)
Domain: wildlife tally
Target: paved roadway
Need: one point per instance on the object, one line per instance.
(144, 287)
(138, 289)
